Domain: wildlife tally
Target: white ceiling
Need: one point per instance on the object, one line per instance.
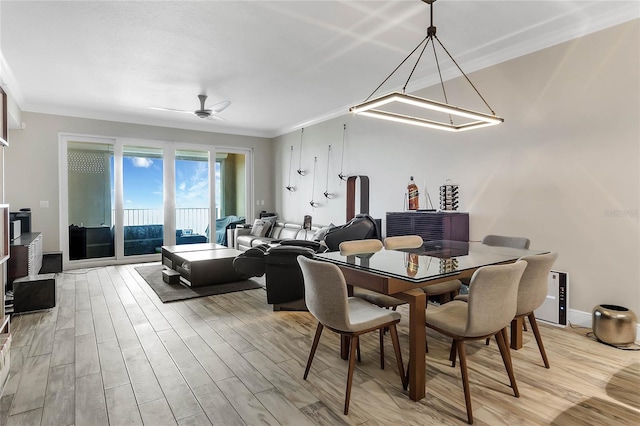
(282, 64)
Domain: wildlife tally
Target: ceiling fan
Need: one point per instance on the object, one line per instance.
(209, 112)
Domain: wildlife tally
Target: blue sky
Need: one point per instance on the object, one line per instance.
(143, 183)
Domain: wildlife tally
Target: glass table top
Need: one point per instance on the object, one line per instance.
(435, 259)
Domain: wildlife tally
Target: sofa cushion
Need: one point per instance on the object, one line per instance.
(270, 221)
(320, 233)
(277, 228)
(290, 231)
(259, 228)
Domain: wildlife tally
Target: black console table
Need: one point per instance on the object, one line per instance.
(453, 226)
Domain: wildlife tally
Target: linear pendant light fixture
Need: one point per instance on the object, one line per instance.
(370, 107)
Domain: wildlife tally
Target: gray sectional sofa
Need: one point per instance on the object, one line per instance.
(243, 240)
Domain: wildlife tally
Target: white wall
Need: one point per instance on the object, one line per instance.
(562, 169)
(31, 163)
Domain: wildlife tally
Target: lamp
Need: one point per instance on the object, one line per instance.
(370, 107)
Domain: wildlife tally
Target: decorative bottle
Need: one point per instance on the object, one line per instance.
(412, 264)
(412, 191)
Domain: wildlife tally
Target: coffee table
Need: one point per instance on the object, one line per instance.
(208, 267)
(168, 252)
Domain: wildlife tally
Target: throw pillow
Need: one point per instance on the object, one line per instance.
(259, 228)
(270, 222)
(320, 233)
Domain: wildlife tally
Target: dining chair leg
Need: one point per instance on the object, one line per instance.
(505, 334)
(465, 378)
(396, 348)
(357, 349)
(382, 347)
(452, 353)
(352, 362)
(314, 346)
(536, 333)
(506, 358)
(405, 384)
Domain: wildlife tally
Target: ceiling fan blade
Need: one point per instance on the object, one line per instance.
(220, 106)
(172, 110)
(215, 117)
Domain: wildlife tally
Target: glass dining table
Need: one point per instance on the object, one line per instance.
(402, 273)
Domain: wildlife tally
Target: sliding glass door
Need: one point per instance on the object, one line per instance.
(230, 191)
(143, 200)
(127, 198)
(192, 196)
(90, 188)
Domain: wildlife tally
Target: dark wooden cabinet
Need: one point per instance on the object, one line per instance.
(26, 256)
(429, 225)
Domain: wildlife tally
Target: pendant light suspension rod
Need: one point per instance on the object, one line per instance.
(344, 131)
(300, 171)
(431, 33)
(404, 89)
(444, 91)
(396, 69)
(289, 187)
(313, 184)
(326, 188)
(465, 76)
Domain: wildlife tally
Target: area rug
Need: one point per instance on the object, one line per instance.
(152, 274)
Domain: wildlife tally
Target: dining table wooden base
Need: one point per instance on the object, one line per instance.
(516, 333)
(417, 300)
(402, 274)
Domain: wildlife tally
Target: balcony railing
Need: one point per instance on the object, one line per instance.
(196, 219)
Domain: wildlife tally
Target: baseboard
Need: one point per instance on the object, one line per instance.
(585, 319)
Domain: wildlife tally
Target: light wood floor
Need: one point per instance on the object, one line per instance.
(112, 353)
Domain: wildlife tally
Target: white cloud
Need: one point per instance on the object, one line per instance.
(141, 162)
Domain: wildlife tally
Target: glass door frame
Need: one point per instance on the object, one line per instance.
(169, 202)
(63, 179)
(248, 202)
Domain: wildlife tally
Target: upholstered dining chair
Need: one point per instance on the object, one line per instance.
(327, 300)
(506, 241)
(403, 242)
(499, 241)
(493, 297)
(532, 293)
(360, 247)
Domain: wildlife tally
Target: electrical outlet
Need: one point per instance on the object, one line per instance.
(44, 204)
